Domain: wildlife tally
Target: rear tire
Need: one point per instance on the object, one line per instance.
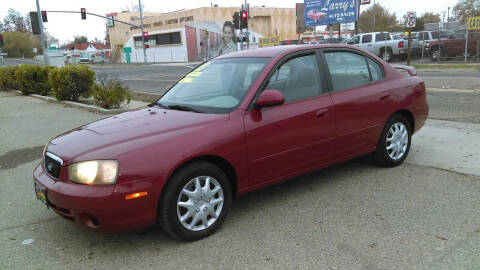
(386, 55)
(394, 143)
(195, 201)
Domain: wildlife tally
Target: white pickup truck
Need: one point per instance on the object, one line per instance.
(381, 44)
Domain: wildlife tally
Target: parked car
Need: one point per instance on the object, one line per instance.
(316, 15)
(453, 46)
(380, 44)
(235, 124)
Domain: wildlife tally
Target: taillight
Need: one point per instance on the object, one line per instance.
(400, 44)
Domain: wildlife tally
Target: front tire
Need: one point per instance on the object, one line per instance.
(394, 143)
(195, 201)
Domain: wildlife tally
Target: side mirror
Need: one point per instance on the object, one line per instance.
(270, 98)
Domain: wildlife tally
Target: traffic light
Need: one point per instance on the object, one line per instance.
(243, 19)
(145, 36)
(84, 13)
(147, 46)
(44, 16)
(235, 18)
(34, 22)
(1, 40)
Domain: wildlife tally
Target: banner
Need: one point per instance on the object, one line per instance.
(322, 12)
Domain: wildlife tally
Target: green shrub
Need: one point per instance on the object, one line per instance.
(110, 93)
(71, 82)
(7, 78)
(32, 79)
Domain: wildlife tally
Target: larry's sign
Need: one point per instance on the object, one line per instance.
(321, 12)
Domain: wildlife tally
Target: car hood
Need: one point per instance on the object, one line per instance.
(116, 135)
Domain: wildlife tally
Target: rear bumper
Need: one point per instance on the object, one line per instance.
(102, 208)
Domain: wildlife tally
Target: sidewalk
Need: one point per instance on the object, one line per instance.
(452, 146)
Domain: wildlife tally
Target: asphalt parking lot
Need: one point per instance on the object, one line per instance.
(424, 214)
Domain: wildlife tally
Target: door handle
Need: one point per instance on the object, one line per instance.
(385, 96)
(322, 113)
(370, 45)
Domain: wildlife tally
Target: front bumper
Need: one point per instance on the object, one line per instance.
(102, 208)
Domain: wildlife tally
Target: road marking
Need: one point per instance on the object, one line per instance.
(452, 77)
(452, 90)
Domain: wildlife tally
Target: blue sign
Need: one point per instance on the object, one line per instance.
(321, 12)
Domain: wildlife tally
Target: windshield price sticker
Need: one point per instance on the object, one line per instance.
(194, 74)
(186, 80)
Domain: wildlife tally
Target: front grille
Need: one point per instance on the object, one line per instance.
(53, 165)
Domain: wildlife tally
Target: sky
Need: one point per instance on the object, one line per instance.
(65, 26)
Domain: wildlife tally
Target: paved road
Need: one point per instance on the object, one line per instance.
(424, 214)
(451, 78)
(156, 78)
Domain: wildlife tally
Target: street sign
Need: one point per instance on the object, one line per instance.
(411, 19)
(473, 23)
(52, 48)
(321, 12)
(364, 2)
(127, 49)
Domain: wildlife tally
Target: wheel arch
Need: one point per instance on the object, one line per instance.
(407, 114)
(218, 161)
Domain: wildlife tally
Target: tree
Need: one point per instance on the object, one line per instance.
(80, 39)
(376, 18)
(51, 40)
(430, 17)
(133, 7)
(19, 44)
(465, 9)
(14, 21)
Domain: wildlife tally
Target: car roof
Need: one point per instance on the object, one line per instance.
(274, 51)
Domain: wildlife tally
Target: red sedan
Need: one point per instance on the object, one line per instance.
(237, 123)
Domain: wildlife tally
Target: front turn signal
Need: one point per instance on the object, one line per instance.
(136, 195)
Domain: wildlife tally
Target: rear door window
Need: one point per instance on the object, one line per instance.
(350, 70)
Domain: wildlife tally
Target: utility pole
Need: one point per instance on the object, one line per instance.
(443, 20)
(143, 31)
(374, 15)
(42, 36)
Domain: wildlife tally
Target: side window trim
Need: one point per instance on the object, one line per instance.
(272, 72)
(329, 82)
(368, 67)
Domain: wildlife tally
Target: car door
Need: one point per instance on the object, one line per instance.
(367, 43)
(362, 100)
(295, 136)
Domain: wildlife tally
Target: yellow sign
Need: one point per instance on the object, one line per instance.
(473, 23)
(269, 41)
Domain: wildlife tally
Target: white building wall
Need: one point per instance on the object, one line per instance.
(156, 54)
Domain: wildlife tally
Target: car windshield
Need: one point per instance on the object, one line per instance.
(217, 86)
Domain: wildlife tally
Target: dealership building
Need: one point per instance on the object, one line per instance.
(193, 34)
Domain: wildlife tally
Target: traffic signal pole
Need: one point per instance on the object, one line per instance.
(42, 36)
(143, 31)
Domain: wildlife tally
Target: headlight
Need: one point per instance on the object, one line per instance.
(94, 172)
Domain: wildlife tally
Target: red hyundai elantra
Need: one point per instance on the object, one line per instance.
(237, 123)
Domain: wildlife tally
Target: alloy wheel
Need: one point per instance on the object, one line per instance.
(397, 141)
(200, 203)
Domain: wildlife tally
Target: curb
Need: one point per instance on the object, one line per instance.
(87, 107)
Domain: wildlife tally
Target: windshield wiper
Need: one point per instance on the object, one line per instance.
(158, 104)
(182, 108)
